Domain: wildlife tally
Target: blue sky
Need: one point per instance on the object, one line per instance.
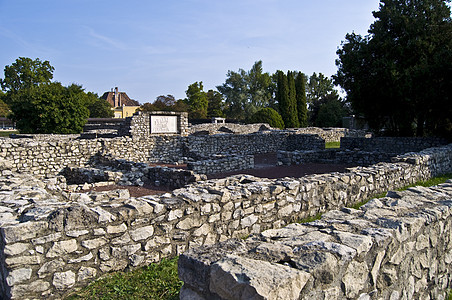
(152, 48)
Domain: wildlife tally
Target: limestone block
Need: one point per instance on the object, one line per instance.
(63, 280)
(86, 257)
(20, 291)
(62, 248)
(51, 267)
(18, 275)
(142, 233)
(14, 249)
(85, 273)
(94, 243)
(23, 231)
(112, 229)
(355, 278)
(361, 243)
(236, 277)
(23, 260)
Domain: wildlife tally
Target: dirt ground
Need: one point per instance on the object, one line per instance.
(265, 167)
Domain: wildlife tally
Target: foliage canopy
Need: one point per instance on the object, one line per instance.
(399, 77)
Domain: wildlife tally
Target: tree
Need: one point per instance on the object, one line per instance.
(302, 108)
(4, 108)
(319, 86)
(293, 116)
(286, 98)
(197, 100)
(215, 104)
(98, 108)
(245, 92)
(268, 115)
(25, 73)
(165, 103)
(49, 108)
(330, 112)
(399, 77)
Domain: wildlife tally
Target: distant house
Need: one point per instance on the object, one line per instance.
(122, 105)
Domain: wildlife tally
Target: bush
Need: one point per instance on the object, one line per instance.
(268, 115)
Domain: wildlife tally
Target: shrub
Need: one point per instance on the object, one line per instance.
(268, 115)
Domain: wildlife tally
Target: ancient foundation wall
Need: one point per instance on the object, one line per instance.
(48, 156)
(333, 156)
(397, 247)
(397, 145)
(222, 163)
(46, 248)
(333, 134)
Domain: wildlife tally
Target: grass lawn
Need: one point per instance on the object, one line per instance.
(156, 281)
(6, 133)
(331, 145)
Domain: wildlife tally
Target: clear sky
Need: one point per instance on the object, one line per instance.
(149, 48)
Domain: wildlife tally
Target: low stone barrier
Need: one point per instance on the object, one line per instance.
(333, 134)
(397, 145)
(333, 156)
(46, 248)
(398, 247)
(48, 156)
(222, 163)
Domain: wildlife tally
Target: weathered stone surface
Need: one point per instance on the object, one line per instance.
(240, 278)
(18, 275)
(63, 280)
(142, 233)
(62, 248)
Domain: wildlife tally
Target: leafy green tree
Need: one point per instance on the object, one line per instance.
(330, 112)
(319, 86)
(293, 116)
(286, 98)
(399, 76)
(25, 73)
(245, 92)
(197, 100)
(215, 104)
(4, 108)
(165, 103)
(268, 115)
(302, 108)
(49, 108)
(98, 108)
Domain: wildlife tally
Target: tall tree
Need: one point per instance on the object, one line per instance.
(50, 108)
(400, 75)
(292, 101)
(25, 73)
(245, 92)
(215, 104)
(197, 100)
(302, 108)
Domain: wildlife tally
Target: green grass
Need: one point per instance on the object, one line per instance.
(156, 281)
(310, 219)
(430, 182)
(332, 145)
(6, 133)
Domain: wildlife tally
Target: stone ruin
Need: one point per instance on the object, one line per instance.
(47, 249)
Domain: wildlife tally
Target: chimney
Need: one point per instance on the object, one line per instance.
(116, 98)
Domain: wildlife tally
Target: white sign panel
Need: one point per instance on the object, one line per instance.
(163, 124)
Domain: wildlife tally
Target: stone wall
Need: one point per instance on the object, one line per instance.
(248, 144)
(333, 156)
(398, 247)
(47, 249)
(139, 126)
(222, 163)
(397, 145)
(333, 134)
(48, 156)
